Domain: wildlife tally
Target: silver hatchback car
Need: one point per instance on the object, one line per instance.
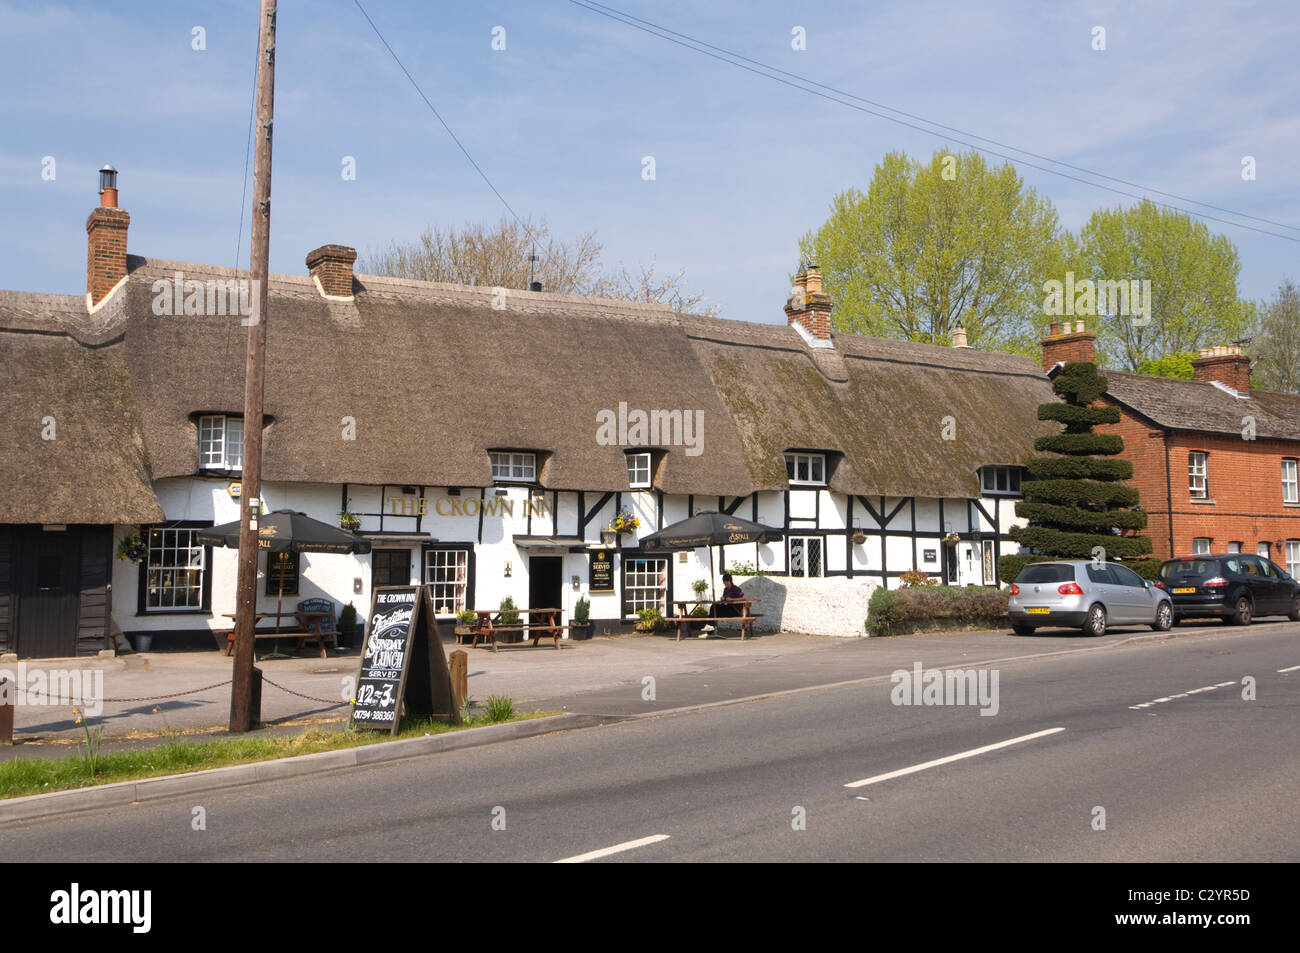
(1088, 595)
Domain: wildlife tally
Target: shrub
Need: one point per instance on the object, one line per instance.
(901, 610)
(582, 610)
(650, 620)
(508, 617)
(467, 617)
(914, 577)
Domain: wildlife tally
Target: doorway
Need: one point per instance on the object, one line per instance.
(545, 582)
(47, 594)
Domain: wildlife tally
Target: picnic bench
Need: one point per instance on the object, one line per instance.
(684, 619)
(546, 625)
(311, 625)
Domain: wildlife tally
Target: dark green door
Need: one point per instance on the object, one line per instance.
(47, 594)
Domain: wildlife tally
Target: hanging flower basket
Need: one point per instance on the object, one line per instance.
(624, 523)
(951, 539)
(859, 537)
(132, 548)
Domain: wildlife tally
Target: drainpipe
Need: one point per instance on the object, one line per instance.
(1169, 496)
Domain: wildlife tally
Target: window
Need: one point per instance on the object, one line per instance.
(175, 570)
(1293, 558)
(390, 567)
(446, 572)
(221, 443)
(1000, 480)
(1127, 577)
(807, 468)
(1101, 573)
(282, 570)
(1234, 547)
(1201, 546)
(806, 555)
(645, 585)
(514, 467)
(1262, 550)
(1198, 476)
(638, 470)
(1290, 481)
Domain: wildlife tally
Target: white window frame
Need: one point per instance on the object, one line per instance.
(1293, 558)
(180, 562)
(511, 467)
(446, 573)
(1198, 474)
(803, 571)
(645, 584)
(1234, 547)
(813, 466)
(638, 464)
(221, 442)
(1290, 481)
(1000, 481)
(1202, 545)
(1262, 550)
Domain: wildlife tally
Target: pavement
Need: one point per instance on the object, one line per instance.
(614, 677)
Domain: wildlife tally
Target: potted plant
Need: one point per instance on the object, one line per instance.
(132, 548)
(349, 521)
(347, 624)
(464, 620)
(509, 617)
(649, 620)
(580, 627)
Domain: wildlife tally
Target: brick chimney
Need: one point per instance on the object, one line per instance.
(331, 266)
(810, 307)
(1227, 365)
(1064, 344)
(105, 240)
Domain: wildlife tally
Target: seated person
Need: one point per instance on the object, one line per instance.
(725, 608)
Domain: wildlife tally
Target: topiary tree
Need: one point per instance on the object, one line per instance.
(1075, 499)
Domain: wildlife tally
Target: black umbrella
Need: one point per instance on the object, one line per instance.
(285, 531)
(710, 529)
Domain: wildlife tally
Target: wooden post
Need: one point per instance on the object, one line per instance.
(459, 678)
(7, 703)
(243, 714)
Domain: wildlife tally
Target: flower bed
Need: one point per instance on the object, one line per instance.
(898, 611)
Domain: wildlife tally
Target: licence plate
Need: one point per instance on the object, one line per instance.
(1184, 590)
(1038, 611)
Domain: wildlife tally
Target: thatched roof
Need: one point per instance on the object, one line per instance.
(435, 377)
(1200, 406)
(94, 470)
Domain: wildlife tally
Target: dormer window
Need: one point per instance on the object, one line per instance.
(221, 442)
(638, 471)
(513, 467)
(807, 469)
(1000, 481)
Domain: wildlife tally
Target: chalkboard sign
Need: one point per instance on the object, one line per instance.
(601, 578)
(403, 667)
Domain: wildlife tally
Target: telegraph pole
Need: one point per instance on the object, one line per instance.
(245, 703)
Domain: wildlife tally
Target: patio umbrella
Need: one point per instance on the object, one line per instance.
(286, 531)
(709, 529)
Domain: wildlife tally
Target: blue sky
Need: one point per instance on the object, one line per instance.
(561, 119)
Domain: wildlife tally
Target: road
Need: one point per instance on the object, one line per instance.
(1182, 775)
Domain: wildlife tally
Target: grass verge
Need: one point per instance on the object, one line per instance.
(24, 776)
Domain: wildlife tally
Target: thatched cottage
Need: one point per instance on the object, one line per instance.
(484, 438)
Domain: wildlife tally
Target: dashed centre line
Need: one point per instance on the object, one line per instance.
(951, 758)
(616, 849)
(1293, 668)
(1194, 691)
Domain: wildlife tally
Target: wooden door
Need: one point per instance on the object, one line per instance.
(48, 571)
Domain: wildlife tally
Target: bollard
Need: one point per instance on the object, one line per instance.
(7, 690)
(459, 678)
(255, 700)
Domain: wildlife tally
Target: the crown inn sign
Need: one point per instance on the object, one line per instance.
(468, 506)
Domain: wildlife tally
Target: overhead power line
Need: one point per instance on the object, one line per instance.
(815, 88)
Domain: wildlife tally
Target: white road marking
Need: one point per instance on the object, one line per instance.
(951, 758)
(1169, 698)
(1291, 669)
(616, 849)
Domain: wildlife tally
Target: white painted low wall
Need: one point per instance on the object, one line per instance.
(835, 605)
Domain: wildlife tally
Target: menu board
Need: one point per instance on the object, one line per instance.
(601, 577)
(403, 666)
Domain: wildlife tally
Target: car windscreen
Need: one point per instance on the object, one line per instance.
(1189, 570)
(1047, 572)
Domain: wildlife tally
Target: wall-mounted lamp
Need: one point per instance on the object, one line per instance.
(356, 584)
(577, 583)
(507, 572)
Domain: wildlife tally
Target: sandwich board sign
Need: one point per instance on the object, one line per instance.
(403, 668)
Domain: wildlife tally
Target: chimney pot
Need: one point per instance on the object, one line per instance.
(959, 337)
(1062, 345)
(1228, 365)
(331, 266)
(813, 280)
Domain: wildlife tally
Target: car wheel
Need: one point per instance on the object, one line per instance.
(1096, 624)
(1243, 613)
(1164, 618)
(1022, 629)
(1294, 614)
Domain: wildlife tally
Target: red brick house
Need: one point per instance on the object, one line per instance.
(1215, 461)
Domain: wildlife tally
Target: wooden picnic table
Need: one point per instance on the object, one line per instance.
(746, 618)
(310, 626)
(546, 625)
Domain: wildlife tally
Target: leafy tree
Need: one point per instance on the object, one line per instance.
(499, 256)
(1192, 275)
(934, 246)
(1170, 365)
(1075, 499)
(1275, 342)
